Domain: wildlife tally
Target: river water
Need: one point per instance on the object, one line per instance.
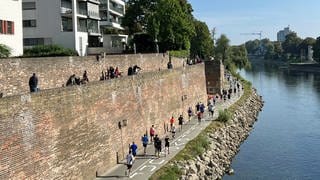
(285, 141)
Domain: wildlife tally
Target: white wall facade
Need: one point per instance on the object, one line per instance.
(49, 15)
(10, 10)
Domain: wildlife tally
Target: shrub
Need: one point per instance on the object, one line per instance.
(180, 54)
(224, 115)
(167, 173)
(48, 50)
(5, 51)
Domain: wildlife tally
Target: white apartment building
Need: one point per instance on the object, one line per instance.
(111, 14)
(281, 35)
(70, 23)
(11, 25)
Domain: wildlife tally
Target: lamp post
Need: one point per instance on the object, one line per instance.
(157, 46)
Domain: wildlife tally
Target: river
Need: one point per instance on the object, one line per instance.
(285, 141)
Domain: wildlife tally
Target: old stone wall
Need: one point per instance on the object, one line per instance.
(72, 132)
(54, 71)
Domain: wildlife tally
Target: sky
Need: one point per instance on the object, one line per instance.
(233, 17)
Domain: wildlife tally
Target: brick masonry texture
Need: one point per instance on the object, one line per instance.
(72, 132)
(53, 72)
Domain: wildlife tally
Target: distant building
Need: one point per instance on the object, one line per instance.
(111, 14)
(281, 35)
(11, 26)
(70, 23)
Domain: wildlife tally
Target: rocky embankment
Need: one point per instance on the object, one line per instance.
(224, 143)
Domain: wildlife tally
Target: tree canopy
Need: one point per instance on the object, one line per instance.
(201, 42)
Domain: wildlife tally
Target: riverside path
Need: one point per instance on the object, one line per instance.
(145, 165)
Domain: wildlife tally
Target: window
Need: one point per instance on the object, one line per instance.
(1, 27)
(6, 27)
(29, 23)
(66, 24)
(28, 5)
(33, 41)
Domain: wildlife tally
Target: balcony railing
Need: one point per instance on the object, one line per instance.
(66, 11)
(117, 9)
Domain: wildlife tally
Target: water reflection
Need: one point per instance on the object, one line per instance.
(286, 140)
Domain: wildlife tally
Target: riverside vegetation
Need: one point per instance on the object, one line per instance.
(209, 155)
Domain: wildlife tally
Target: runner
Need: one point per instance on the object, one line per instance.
(133, 149)
(173, 131)
(145, 142)
(180, 119)
(130, 160)
(166, 144)
(152, 133)
(190, 113)
(171, 122)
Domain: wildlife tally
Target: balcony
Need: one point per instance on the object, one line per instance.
(117, 8)
(82, 12)
(95, 1)
(66, 11)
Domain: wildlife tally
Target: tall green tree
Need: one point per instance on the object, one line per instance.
(238, 56)
(291, 45)
(316, 49)
(137, 15)
(252, 46)
(303, 46)
(278, 50)
(222, 46)
(201, 42)
(172, 24)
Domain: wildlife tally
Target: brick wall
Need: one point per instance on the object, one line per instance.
(54, 71)
(214, 71)
(72, 132)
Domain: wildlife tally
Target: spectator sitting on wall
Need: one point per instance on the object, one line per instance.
(97, 57)
(85, 78)
(169, 65)
(130, 71)
(111, 72)
(136, 69)
(117, 72)
(33, 83)
(72, 80)
(102, 78)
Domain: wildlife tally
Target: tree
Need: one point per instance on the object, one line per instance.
(201, 42)
(137, 15)
(252, 46)
(303, 46)
(316, 49)
(5, 51)
(278, 51)
(291, 44)
(238, 56)
(172, 24)
(222, 47)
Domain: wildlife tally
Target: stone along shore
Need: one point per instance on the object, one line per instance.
(224, 143)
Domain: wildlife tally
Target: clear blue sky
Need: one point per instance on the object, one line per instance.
(232, 17)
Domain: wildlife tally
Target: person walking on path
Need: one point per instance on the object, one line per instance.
(180, 120)
(202, 109)
(145, 142)
(152, 133)
(211, 110)
(173, 131)
(166, 144)
(130, 160)
(199, 117)
(189, 113)
(157, 146)
(171, 121)
(33, 83)
(134, 149)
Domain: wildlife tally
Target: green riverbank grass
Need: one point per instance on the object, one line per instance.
(200, 144)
